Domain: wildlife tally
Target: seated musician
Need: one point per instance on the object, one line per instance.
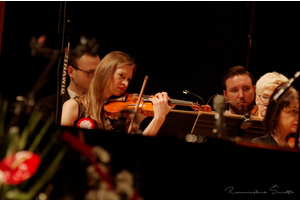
(281, 118)
(238, 90)
(83, 61)
(265, 87)
(112, 78)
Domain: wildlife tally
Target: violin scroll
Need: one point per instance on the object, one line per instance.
(198, 107)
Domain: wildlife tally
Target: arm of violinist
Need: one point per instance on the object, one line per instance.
(161, 108)
(69, 113)
(140, 117)
(138, 120)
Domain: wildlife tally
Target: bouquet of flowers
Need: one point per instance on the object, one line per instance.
(18, 160)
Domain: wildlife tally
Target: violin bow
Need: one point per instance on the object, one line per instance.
(138, 103)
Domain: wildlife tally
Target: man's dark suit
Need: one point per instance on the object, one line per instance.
(47, 105)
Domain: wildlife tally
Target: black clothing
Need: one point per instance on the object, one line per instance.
(81, 115)
(47, 105)
(266, 139)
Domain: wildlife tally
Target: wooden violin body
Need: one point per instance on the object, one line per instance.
(129, 102)
(291, 142)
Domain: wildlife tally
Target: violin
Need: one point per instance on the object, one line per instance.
(291, 142)
(129, 102)
(254, 111)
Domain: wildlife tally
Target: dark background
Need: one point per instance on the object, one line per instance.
(179, 45)
(174, 169)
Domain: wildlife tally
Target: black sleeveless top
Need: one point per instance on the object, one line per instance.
(86, 122)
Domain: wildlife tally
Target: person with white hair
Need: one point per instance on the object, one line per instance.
(265, 87)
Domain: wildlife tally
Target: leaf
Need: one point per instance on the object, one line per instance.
(30, 127)
(40, 135)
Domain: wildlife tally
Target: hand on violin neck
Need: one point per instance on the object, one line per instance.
(161, 105)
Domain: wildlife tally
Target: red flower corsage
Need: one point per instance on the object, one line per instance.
(86, 123)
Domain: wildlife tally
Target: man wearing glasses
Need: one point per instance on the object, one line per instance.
(265, 87)
(81, 71)
(83, 61)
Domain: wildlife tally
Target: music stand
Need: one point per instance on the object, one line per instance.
(179, 123)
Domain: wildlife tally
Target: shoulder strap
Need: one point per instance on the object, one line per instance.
(81, 109)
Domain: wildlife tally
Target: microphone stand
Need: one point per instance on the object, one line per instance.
(219, 104)
(187, 92)
(26, 104)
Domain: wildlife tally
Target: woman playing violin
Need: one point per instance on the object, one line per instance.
(112, 78)
(281, 118)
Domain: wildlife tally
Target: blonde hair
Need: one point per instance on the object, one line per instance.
(95, 98)
(270, 80)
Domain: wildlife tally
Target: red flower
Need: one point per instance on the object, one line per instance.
(19, 167)
(86, 123)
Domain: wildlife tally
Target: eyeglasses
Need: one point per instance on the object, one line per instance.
(88, 74)
(264, 98)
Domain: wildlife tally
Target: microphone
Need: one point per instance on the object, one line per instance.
(38, 47)
(37, 44)
(187, 92)
(219, 104)
(91, 44)
(41, 41)
(291, 82)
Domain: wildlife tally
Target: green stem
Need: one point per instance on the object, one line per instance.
(41, 134)
(31, 125)
(49, 173)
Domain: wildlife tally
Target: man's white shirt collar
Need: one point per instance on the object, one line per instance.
(72, 94)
